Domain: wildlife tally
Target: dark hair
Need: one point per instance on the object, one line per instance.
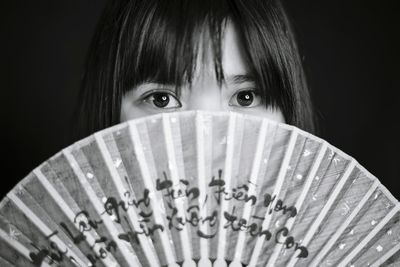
(137, 41)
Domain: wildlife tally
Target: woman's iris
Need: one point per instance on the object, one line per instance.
(245, 98)
(161, 100)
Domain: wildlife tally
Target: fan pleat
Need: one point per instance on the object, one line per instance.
(198, 211)
(144, 156)
(335, 233)
(37, 228)
(216, 143)
(176, 178)
(227, 178)
(11, 251)
(366, 221)
(66, 219)
(109, 231)
(250, 176)
(385, 239)
(264, 184)
(14, 260)
(351, 255)
(262, 241)
(308, 175)
(142, 247)
(390, 258)
(297, 186)
(187, 152)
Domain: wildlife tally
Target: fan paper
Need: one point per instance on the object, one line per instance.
(196, 189)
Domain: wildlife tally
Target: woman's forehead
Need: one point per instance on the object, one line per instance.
(234, 63)
(233, 53)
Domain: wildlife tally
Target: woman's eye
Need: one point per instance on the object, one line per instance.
(162, 100)
(245, 98)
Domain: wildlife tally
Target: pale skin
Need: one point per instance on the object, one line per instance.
(238, 93)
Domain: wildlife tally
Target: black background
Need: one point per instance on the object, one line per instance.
(350, 51)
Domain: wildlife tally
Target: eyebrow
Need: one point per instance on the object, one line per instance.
(238, 79)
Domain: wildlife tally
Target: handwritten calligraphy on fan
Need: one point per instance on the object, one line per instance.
(117, 210)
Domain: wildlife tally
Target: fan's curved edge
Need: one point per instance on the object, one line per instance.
(218, 113)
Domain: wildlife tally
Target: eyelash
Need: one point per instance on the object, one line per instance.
(150, 98)
(152, 94)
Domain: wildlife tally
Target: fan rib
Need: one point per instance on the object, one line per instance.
(365, 241)
(204, 261)
(220, 261)
(70, 214)
(386, 256)
(133, 218)
(149, 184)
(175, 178)
(42, 226)
(253, 180)
(344, 225)
(301, 198)
(99, 208)
(325, 209)
(277, 189)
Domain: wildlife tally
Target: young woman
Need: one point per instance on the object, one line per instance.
(157, 56)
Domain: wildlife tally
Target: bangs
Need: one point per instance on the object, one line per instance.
(166, 41)
(162, 42)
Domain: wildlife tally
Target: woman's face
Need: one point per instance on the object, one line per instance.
(238, 92)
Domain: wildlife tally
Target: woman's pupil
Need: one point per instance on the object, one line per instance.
(245, 98)
(161, 100)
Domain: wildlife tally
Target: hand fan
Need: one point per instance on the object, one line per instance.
(200, 189)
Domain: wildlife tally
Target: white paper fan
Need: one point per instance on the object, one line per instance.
(200, 188)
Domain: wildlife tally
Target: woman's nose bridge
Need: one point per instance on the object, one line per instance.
(206, 98)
